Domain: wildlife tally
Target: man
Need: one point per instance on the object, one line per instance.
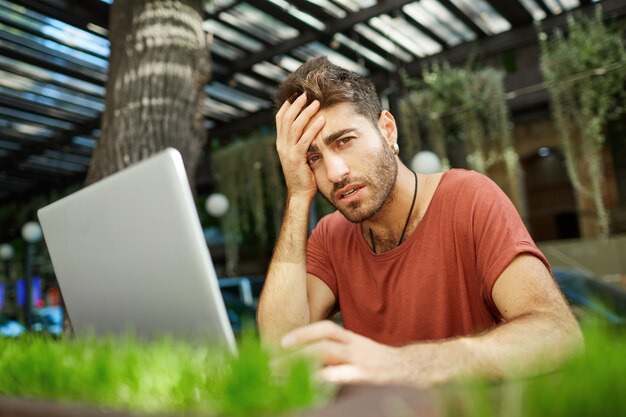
(435, 275)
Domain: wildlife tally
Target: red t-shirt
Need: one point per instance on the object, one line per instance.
(437, 284)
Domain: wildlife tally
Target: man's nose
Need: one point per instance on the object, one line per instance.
(336, 168)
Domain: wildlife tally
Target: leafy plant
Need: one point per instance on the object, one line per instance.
(248, 172)
(461, 106)
(585, 71)
(165, 376)
(592, 384)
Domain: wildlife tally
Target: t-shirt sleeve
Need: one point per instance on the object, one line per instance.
(499, 235)
(318, 261)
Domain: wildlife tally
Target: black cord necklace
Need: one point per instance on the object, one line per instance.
(406, 223)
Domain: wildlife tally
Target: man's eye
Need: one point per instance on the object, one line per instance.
(344, 141)
(312, 160)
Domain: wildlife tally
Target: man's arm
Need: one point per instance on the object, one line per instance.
(539, 334)
(290, 298)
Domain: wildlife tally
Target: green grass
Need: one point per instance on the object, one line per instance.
(592, 384)
(173, 377)
(164, 377)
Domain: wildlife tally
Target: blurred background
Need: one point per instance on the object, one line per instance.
(529, 92)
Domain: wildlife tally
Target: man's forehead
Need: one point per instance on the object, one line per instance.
(328, 137)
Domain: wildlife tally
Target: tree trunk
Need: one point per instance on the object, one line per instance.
(158, 68)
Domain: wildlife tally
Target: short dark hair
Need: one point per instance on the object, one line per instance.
(330, 84)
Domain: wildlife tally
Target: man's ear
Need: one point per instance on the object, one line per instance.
(387, 127)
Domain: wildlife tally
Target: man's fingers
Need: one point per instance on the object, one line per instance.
(291, 111)
(342, 374)
(310, 132)
(327, 351)
(321, 330)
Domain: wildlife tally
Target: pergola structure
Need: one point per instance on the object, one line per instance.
(53, 64)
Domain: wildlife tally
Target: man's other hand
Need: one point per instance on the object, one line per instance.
(348, 358)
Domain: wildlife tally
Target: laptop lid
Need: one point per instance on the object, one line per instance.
(129, 255)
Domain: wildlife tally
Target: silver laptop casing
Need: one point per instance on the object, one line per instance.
(130, 256)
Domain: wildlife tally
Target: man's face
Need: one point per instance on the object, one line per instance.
(354, 165)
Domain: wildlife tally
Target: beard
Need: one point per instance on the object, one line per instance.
(381, 179)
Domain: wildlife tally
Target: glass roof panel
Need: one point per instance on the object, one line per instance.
(12, 146)
(67, 157)
(299, 14)
(559, 6)
(270, 71)
(255, 17)
(485, 16)
(84, 141)
(351, 5)
(385, 26)
(214, 6)
(234, 18)
(364, 4)
(426, 43)
(225, 50)
(382, 42)
(418, 12)
(18, 129)
(31, 117)
(364, 52)
(313, 49)
(569, 4)
(49, 164)
(17, 82)
(288, 63)
(221, 111)
(533, 8)
(58, 107)
(52, 48)
(330, 8)
(237, 98)
(45, 75)
(222, 31)
(62, 32)
(447, 19)
(254, 83)
(57, 61)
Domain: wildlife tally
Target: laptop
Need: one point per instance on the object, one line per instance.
(130, 256)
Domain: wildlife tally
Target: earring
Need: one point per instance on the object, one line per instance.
(396, 149)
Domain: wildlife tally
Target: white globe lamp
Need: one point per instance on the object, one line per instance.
(6, 252)
(426, 162)
(31, 232)
(216, 204)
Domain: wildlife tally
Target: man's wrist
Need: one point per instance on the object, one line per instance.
(300, 199)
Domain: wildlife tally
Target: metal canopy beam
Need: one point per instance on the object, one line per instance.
(78, 13)
(463, 18)
(278, 13)
(336, 25)
(489, 46)
(37, 148)
(513, 11)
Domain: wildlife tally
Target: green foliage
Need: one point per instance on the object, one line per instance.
(248, 172)
(585, 70)
(590, 385)
(163, 377)
(454, 106)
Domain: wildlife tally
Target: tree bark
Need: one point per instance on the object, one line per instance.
(158, 68)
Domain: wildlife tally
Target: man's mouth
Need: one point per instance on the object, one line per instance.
(348, 191)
